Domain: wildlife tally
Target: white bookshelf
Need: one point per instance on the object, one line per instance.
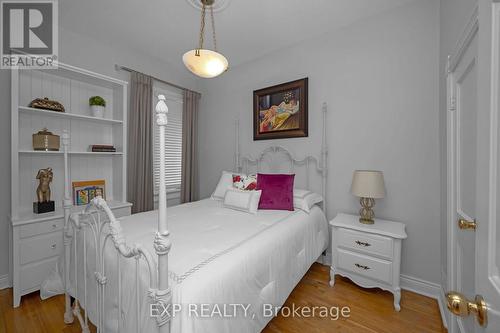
(36, 239)
(49, 113)
(72, 87)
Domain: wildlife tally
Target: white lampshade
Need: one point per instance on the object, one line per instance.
(368, 184)
(207, 64)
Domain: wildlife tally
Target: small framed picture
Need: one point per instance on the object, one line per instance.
(85, 191)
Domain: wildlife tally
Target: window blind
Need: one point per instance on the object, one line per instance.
(173, 142)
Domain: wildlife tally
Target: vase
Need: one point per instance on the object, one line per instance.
(97, 111)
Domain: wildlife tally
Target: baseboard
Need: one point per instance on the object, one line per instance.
(4, 281)
(426, 288)
(442, 308)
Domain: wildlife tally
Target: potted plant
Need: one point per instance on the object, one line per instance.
(97, 106)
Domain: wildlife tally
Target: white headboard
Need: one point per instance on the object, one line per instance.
(277, 159)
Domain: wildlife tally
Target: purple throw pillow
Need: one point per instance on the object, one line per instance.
(277, 191)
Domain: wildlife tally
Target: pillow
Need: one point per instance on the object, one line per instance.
(245, 201)
(245, 183)
(305, 200)
(277, 191)
(225, 182)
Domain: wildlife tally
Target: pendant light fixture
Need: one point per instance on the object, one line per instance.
(202, 62)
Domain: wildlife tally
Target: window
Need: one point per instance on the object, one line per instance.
(173, 140)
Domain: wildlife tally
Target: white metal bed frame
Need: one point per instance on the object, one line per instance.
(106, 228)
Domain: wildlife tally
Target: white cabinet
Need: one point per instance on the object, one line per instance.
(36, 247)
(36, 240)
(370, 255)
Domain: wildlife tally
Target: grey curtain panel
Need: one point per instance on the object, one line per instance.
(140, 184)
(189, 174)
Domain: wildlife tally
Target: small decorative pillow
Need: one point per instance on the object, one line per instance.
(225, 182)
(245, 201)
(245, 183)
(305, 200)
(277, 191)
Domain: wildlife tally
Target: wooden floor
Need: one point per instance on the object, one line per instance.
(371, 310)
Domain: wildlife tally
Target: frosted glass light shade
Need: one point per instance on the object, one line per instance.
(368, 184)
(208, 64)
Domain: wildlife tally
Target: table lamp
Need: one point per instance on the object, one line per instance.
(368, 185)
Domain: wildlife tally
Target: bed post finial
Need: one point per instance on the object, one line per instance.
(237, 147)
(68, 314)
(162, 243)
(324, 157)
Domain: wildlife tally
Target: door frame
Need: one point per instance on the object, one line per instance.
(470, 32)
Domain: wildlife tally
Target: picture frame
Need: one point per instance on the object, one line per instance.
(281, 111)
(85, 191)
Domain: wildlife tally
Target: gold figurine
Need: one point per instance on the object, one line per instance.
(44, 203)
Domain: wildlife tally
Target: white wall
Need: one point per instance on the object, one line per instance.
(84, 52)
(380, 80)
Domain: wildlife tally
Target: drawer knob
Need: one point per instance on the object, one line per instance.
(362, 266)
(363, 243)
(53, 246)
(54, 226)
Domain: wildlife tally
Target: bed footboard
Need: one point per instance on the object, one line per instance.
(94, 229)
(97, 227)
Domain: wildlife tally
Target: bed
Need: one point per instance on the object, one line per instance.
(214, 270)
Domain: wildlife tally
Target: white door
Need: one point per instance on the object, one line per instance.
(473, 236)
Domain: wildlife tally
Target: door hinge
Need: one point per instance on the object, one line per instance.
(453, 104)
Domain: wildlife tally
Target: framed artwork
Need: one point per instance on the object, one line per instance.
(280, 111)
(84, 191)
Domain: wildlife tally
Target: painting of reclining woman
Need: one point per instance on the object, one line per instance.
(281, 111)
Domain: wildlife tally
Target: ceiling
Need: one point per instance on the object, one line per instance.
(246, 30)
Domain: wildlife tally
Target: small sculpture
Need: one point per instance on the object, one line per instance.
(44, 203)
(46, 104)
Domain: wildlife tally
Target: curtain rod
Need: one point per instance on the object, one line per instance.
(123, 68)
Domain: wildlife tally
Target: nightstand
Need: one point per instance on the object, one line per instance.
(369, 255)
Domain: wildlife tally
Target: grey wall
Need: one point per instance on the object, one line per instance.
(380, 80)
(84, 52)
(454, 15)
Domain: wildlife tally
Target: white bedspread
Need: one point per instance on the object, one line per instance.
(218, 256)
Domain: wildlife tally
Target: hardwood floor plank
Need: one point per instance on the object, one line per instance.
(371, 310)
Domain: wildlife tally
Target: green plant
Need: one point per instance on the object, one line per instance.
(97, 100)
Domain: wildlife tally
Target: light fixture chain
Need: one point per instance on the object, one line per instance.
(202, 26)
(213, 27)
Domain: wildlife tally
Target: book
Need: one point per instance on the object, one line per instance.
(102, 148)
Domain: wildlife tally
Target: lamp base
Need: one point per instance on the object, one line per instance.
(366, 212)
(366, 221)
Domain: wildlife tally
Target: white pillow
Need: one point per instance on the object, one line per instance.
(245, 201)
(225, 182)
(305, 200)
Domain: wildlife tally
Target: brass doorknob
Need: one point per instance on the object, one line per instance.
(467, 225)
(459, 305)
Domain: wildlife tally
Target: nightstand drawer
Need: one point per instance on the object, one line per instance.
(40, 247)
(365, 242)
(39, 228)
(371, 268)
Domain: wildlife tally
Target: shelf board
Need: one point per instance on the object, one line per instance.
(43, 152)
(26, 109)
(27, 216)
(96, 153)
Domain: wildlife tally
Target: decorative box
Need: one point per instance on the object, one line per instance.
(45, 140)
(45, 103)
